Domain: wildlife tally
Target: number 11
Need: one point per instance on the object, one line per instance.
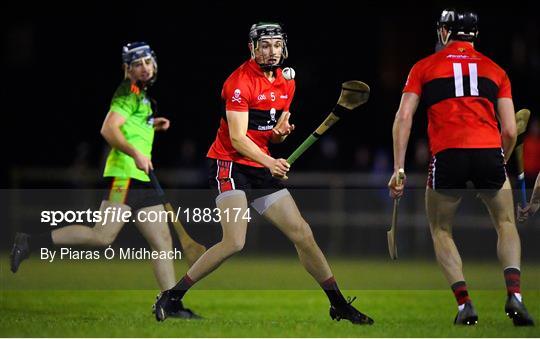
(473, 79)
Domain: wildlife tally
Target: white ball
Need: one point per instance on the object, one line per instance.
(288, 73)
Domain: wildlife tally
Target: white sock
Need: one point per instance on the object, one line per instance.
(518, 296)
(461, 307)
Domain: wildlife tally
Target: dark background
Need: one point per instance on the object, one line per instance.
(61, 65)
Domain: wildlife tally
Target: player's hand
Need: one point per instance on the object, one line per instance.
(161, 124)
(524, 213)
(396, 191)
(279, 168)
(283, 127)
(143, 162)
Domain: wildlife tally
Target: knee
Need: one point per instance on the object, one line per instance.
(233, 246)
(104, 239)
(162, 241)
(302, 235)
(438, 233)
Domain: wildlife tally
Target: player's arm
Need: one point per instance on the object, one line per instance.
(161, 124)
(401, 129)
(533, 206)
(401, 132)
(238, 125)
(507, 119)
(115, 138)
(282, 129)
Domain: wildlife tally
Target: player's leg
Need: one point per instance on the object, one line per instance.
(101, 235)
(281, 210)
(441, 207)
(159, 238)
(500, 206)
(496, 193)
(501, 210)
(440, 211)
(230, 183)
(233, 239)
(115, 203)
(151, 219)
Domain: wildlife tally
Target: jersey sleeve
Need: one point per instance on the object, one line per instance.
(123, 103)
(414, 81)
(290, 94)
(505, 89)
(236, 95)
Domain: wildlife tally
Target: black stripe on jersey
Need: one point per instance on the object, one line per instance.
(441, 89)
(262, 120)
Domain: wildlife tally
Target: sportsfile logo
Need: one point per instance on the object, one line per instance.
(119, 215)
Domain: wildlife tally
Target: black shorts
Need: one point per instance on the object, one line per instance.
(132, 192)
(452, 168)
(227, 175)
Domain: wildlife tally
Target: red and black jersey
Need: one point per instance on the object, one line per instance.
(460, 88)
(248, 90)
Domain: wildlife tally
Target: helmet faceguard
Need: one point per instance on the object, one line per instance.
(266, 30)
(136, 51)
(461, 25)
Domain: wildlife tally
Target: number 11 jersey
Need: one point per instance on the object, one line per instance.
(460, 88)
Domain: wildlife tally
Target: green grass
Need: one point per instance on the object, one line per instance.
(254, 297)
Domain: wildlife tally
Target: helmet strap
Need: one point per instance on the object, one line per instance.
(443, 40)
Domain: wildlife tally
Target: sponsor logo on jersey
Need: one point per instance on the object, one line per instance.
(261, 97)
(460, 56)
(272, 116)
(269, 123)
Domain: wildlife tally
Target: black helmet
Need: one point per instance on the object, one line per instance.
(268, 30)
(461, 25)
(138, 50)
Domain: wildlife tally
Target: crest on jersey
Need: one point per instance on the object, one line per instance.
(236, 97)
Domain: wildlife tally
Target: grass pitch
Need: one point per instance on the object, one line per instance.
(254, 297)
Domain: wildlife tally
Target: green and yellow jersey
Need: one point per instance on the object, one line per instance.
(133, 104)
